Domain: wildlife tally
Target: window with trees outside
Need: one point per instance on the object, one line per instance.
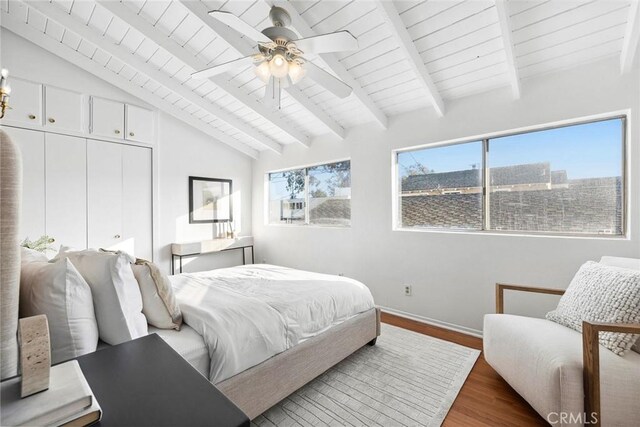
(562, 180)
(317, 195)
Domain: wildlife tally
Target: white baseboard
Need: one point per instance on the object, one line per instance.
(450, 326)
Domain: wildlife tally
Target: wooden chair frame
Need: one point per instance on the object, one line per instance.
(590, 347)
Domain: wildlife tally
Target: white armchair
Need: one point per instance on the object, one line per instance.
(560, 372)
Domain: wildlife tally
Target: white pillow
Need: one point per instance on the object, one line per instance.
(116, 296)
(159, 303)
(599, 293)
(30, 255)
(59, 291)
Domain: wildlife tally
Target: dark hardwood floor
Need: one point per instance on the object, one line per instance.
(485, 399)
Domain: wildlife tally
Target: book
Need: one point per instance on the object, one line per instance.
(68, 394)
(89, 416)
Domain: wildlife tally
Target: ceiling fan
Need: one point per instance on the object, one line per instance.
(279, 61)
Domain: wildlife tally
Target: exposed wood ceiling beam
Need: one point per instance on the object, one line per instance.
(505, 28)
(245, 48)
(63, 51)
(299, 24)
(407, 46)
(631, 37)
(121, 53)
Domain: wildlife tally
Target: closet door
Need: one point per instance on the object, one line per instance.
(63, 109)
(31, 144)
(107, 118)
(104, 194)
(66, 190)
(137, 201)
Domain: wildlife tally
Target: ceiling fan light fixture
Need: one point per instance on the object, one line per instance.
(263, 72)
(279, 66)
(296, 72)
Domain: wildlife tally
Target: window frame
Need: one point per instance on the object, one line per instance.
(485, 139)
(306, 167)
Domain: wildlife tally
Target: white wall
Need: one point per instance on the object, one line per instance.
(181, 151)
(452, 274)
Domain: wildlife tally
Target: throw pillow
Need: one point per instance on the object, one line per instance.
(159, 304)
(116, 295)
(58, 290)
(601, 293)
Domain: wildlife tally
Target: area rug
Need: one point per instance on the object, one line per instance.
(406, 379)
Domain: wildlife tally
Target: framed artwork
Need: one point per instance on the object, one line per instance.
(210, 200)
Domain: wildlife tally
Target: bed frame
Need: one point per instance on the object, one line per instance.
(262, 386)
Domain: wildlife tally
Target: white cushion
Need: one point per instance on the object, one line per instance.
(116, 296)
(59, 291)
(614, 261)
(542, 361)
(30, 255)
(159, 303)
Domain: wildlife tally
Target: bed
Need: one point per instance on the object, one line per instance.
(260, 332)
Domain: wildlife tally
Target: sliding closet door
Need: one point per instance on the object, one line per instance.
(137, 201)
(31, 144)
(66, 190)
(104, 194)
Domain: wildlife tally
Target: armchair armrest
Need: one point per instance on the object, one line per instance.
(501, 287)
(591, 362)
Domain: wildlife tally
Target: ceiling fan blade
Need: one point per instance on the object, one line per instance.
(332, 84)
(240, 26)
(221, 68)
(340, 41)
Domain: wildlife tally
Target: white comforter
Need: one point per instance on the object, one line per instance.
(250, 313)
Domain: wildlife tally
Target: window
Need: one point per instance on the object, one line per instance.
(564, 180)
(442, 187)
(318, 195)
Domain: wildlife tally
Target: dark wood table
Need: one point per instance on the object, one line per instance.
(145, 382)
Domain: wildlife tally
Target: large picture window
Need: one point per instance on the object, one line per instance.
(563, 180)
(318, 195)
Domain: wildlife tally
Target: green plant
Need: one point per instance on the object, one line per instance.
(43, 244)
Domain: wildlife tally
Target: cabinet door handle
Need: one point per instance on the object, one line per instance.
(131, 134)
(32, 117)
(117, 132)
(117, 236)
(52, 120)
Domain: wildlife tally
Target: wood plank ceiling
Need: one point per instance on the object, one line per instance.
(413, 54)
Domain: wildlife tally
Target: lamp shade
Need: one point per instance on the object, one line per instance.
(263, 72)
(279, 66)
(296, 72)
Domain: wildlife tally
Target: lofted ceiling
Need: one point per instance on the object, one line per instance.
(412, 54)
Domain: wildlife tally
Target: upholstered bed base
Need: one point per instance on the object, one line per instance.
(259, 388)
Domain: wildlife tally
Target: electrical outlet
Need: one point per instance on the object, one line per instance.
(264, 260)
(407, 290)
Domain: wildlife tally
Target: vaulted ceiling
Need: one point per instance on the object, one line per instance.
(412, 54)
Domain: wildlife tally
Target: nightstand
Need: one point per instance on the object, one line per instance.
(145, 382)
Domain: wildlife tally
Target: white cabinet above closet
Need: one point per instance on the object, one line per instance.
(63, 110)
(140, 124)
(25, 103)
(107, 118)
(115, 119)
